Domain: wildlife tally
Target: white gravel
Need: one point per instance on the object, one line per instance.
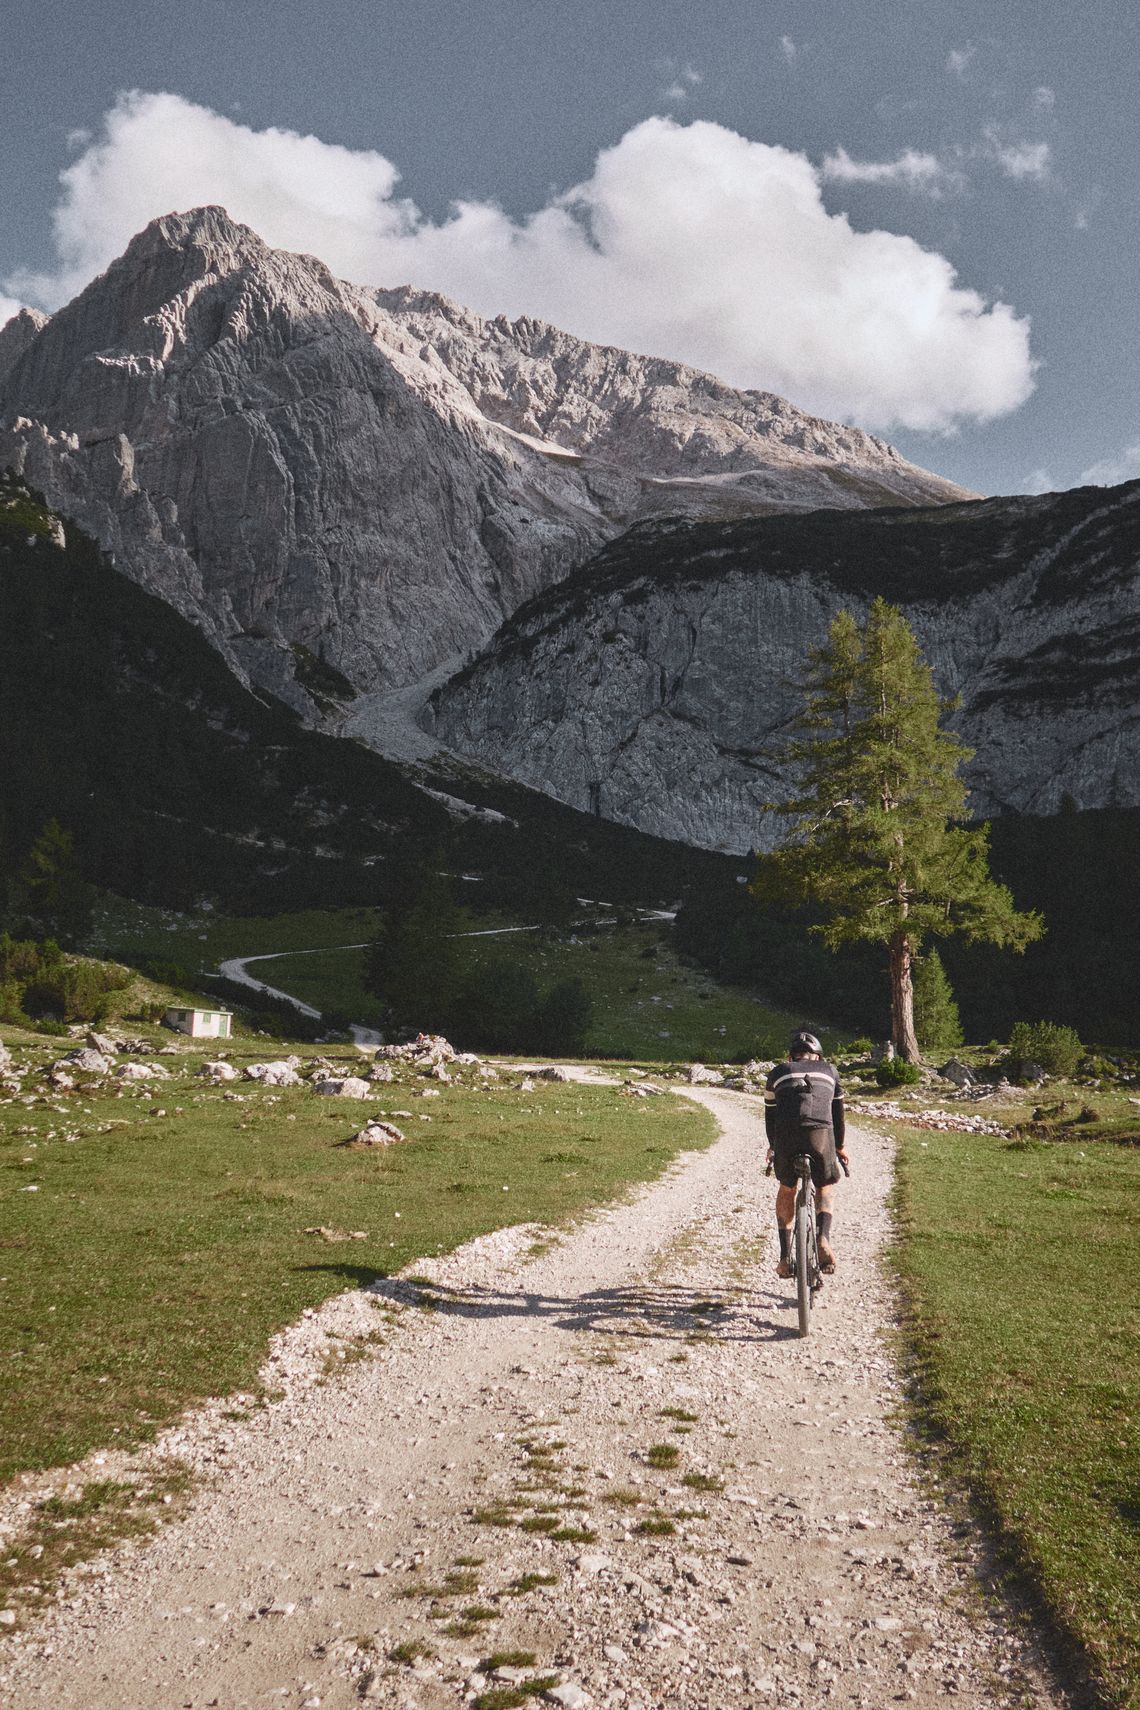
(823, 1572)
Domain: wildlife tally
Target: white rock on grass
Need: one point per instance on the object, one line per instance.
(377, 1133)
(350, 1087)
(218, 1072)
(88, 1061)
(279, 1074)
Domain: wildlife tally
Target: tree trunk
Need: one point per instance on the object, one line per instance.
(902, 998)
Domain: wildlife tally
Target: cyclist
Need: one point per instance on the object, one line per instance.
(803, 1112)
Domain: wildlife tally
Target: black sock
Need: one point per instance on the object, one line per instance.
(823, 1225)
(785, 1240)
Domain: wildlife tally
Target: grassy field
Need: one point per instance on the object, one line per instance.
(1016, 1260)
(152, 1239)
(648, 1004)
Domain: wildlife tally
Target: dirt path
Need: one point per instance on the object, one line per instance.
(821, 1573)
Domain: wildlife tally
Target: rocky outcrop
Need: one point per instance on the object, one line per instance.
(657, 685)
(345, 487)
(17, 334)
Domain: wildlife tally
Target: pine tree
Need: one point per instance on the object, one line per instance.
(416, 965)
(877, 839)
(49, 895)
(936, 1019)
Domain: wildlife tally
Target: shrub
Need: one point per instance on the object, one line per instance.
(897, 1072)
(1058, 1049)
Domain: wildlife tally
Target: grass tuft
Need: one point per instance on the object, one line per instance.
(663, 1455)
(702, 1481)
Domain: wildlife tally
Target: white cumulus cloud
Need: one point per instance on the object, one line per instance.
(914, 169)
(1113, 470)
(687, 241)
(958, 60)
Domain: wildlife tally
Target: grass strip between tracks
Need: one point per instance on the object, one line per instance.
(1017, 1263)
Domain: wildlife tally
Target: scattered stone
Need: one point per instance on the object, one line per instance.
(84, 1059)
(351, 1087)
(570, 1696)
(279, 1074)
(427, 1049)
(215, 1073)
(960, 1073)
(553, 1072)
(377, 1133)
(699, 1076)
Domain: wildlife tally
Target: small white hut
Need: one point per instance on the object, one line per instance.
(200, 1023)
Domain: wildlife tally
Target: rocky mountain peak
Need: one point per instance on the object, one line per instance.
(353, 486)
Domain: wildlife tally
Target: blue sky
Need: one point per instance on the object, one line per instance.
(1000, 139)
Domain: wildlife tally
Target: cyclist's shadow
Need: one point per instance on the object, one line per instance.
(636, 1312)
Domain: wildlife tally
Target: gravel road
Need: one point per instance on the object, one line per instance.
(522, 1391)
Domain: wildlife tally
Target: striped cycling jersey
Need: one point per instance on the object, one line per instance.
(789, 1108)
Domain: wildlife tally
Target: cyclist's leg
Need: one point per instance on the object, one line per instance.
(825, 1173)
(824, 1202)
(785, 1223)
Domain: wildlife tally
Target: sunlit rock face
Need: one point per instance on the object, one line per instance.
(657, 685)
(345, 487)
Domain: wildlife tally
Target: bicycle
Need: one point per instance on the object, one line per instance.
(804, 1257)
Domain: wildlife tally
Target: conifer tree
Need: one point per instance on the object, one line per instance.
(877, 838)
(49, 895)
(936, 1019)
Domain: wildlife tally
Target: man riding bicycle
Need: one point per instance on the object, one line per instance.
(803, 1112)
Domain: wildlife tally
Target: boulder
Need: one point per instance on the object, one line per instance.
(381, 1072)
(1031, 1074)
(553, 1072)
(377, 1133)
(960, 1073)
(215, 1073)
(352, 1086)
(280, 1074)
(699, 1076)
(85, 1060)
(5, 1058)
(135, 1072)
(100, 1042)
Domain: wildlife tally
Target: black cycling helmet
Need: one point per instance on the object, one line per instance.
(802, 1043)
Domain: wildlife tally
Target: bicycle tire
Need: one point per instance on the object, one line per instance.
(803, 1268)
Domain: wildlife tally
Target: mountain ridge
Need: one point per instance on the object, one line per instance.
(295, 462)
(657, 685)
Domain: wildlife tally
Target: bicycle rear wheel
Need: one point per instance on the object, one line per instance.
(803, 1267)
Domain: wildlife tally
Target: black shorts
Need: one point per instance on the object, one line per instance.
(819, 1144)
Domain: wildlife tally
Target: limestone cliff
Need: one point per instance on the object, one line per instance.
(656, 686)
(345, 487)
